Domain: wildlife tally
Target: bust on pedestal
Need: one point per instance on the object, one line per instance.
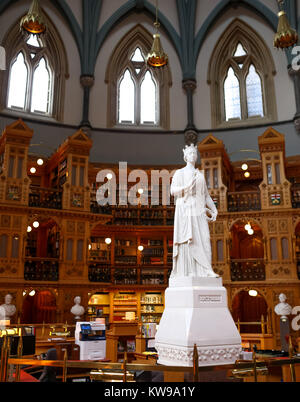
(196, 309)
(7, 310)
(283, 309)
(77, 310)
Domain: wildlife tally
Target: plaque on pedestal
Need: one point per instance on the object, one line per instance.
(196, 312)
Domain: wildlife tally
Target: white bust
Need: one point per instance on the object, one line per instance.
(8, 308)
(77, 310)
(283, 309)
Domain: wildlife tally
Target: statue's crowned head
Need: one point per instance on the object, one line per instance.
(190, 151)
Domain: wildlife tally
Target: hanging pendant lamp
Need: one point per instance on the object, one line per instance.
(157, 57)
(33, 22)
(285, 35)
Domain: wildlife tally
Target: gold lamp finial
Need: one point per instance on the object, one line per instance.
(33, 22)
(157, 57)
(285, 35)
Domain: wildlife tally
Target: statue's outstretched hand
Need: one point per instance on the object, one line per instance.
(212, 215)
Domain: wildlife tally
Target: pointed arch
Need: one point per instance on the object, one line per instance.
(254, 5)
(120, 60)
(223, 58)
(53, 52)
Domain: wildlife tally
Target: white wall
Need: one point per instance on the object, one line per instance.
(167, 7)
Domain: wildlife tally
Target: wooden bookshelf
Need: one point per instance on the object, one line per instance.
(124, 302)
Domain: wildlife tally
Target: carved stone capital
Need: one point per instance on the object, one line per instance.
(190, 137)
(87, 81)
(189, 85)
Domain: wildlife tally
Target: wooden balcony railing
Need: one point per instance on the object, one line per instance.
(248, 270)
(41, 269)
(244, 201)
(45, 198)
(296, 195)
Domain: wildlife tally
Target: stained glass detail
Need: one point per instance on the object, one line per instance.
(240, 51)
(126, 98)
(137, 56)
(232, 96)
(32, 40)
(254, 93)
(18, 83)
(148, 99)
(41, 88)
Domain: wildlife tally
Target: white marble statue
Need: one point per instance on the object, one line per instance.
(77, 310)
(283, 308)
(8, 309)
(191, 244)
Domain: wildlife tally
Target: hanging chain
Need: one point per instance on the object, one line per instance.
(156, 23)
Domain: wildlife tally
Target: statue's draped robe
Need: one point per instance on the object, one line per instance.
(191, 241)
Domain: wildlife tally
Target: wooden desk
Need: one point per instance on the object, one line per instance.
(41, 346)
(262, 341)
(120, 331)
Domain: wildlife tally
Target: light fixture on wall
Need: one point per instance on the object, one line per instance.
(244, 166)
(108, 240)
(285, 35)
(157, 57)
(248, 226)
(249, 229)
(252, 292)
(141, 248)
(33, 22)
(40, 162)
(32, 170)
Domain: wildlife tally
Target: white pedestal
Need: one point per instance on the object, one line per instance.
(196, 312)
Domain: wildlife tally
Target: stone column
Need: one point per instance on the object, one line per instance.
(87, 81)
(190, 134)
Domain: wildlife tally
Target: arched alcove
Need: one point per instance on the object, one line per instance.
(246, 308)
(247, 251)
(38, 306)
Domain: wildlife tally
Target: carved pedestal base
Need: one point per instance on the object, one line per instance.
(196, 312)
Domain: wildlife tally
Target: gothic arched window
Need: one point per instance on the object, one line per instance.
(241, 78)
(30, 80)
(36, 71)
(137, 94)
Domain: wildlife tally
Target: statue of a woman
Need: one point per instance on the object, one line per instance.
(191, 242)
